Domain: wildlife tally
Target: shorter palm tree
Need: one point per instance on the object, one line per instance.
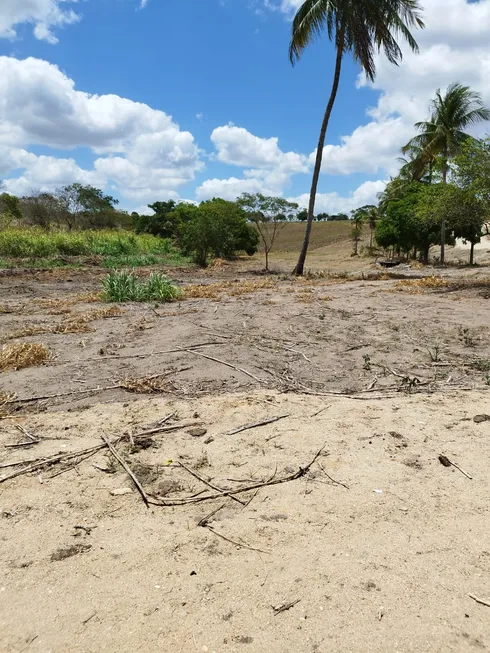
(443, 134)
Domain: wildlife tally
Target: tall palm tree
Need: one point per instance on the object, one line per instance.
(444, 132)
(372, 216)
(361, 28)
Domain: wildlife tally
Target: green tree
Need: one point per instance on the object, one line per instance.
(409, 220)
(86, 207)
(358, 27)
(218, 228)
(443, 134)
(162, 222)
(302, 215)
(269, 215)
(10, 208)
(369, 215)
(320, 217)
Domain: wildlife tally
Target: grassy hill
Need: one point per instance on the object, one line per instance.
(290, 238)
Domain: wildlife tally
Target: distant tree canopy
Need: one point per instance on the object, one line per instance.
(219, 228)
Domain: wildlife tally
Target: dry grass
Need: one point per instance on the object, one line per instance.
(63, 304)
(147, 385)
(73, 323)
(419, 286)
(217, 290)
(26, 354)
(323, 234)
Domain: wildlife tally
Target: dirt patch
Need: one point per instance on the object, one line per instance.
(376, 546)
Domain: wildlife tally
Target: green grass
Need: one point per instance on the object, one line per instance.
(35, 243)
(124, 286)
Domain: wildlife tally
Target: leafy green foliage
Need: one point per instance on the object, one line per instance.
(37, 243)
(123, 286)
(219, 228)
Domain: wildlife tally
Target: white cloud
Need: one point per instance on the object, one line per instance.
(44, 15)
(267, 169)
(142, 150)
(333, 203)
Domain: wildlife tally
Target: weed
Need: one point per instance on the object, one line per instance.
(487, 378)
(367, 362)
(480, 364)
(434, 352)
(466, 337)
(409, 383)
(123, 286)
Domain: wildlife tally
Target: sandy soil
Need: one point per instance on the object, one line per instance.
(378, 545)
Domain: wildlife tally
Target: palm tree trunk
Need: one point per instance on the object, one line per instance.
(299, 269)
(443, 221)
(472, 252)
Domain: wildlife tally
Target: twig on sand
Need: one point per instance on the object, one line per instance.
(205, 520)
(208, 483)
(127, 356)
(284, 607)
(227, 539)
(178, 501)
(127, 469)
(217, 360)
(165, 429)
(321, 410)
(444, 460)
(115, 386)
(481, 601)
(254, 425)
(332, 479)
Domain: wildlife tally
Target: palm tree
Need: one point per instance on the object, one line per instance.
(362, 28)
(372, 216)
(444, 132)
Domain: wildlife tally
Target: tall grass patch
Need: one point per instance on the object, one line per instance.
(124, 286)
(35, 243)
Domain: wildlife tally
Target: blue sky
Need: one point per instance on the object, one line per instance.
(197, 98)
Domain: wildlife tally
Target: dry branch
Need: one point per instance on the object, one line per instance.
(233, 367)
(127, 469)
(481, 601)
(254, 425)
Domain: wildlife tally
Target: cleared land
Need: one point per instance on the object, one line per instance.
(376, 546)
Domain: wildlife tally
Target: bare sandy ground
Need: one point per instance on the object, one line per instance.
(376, 548)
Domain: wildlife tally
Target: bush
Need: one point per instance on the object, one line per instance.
(123, 286)
(218, 228)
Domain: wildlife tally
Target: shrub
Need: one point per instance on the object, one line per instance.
(218, 228)
(123, 286)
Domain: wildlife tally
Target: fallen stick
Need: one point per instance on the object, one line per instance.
(51, 460)
(127, 469)
(233, 367)
(165, 429)
(127, 356)
(481, 601)
(444, 460)
(333, 480)
(179, 501)
(116, 386)
(254, 425)
(203, 480)
(227, 539)
(284, 607)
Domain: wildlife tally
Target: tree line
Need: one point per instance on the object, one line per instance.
(442, 191)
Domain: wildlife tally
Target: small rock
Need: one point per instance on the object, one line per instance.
(478, 419)
(197, 431)
(120, 491)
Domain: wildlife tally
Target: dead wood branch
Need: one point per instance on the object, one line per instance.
(217, 360)
(208, 483)
(227, 539)
(481, 601)
(284, 607)
(127, 469)
(179, 501)
(254, 425)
